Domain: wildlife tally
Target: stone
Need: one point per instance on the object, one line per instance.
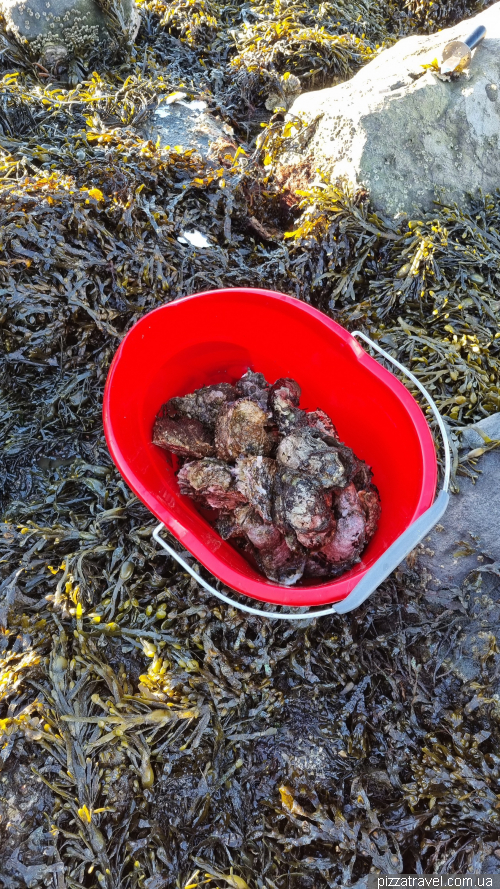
(467, 535)
(399, 131)
(459, 566)
(189, 125)
(479, 434)
(48, 27)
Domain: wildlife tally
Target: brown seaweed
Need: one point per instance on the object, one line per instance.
(306, 755)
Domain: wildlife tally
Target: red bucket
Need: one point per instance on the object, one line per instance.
(216, 336)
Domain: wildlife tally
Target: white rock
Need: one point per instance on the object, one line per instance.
(401, 137)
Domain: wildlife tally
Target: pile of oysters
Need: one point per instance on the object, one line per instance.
(276, 479)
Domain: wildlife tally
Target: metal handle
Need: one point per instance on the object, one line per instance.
(386, 563)
(477, 35)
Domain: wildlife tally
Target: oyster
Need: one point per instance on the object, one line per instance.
(321, 422)
(255, 387)
(184, 437)
(211, 483)
(272, 553)
(282, 564)
(255, 477)
(348, 539)
(284, 401)
(362, 476)
(241, 429)
(305, 450)
(300, 506)
(203, 404)
(370, 501)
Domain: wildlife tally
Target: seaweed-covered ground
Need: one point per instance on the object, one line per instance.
(151, 736)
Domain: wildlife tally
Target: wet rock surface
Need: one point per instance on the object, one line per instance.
(401, 132)
(190, 125)
(467, 537)
(460, 566)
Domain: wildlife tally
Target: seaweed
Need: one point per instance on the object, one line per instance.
(149, 735)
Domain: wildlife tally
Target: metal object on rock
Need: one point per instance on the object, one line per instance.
(456, 55)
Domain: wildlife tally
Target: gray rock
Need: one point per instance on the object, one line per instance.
(187, 124)
(459, 563)
(71, 25)
(468, 532)
(478, 434)
(403, 138)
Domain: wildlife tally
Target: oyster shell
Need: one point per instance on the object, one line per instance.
(255, 476)
(305, 450)
(241, 429)
(348, 539)
(211, 483)
(269, 549)
(255, 387)
(370, 501)
(203, 404)
(184, 437)
(284, 401)
(300, 506)
(321, 422)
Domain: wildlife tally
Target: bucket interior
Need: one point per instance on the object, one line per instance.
(216, 337)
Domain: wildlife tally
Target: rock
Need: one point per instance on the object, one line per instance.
(467, 535)
(478, 434)
(189, 125)
(55, 26)
(459, 564)
(403, 136)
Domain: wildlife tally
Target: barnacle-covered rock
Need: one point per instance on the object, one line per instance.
(203, 404)
(255, 476)
(370, 501)
(284, 401)
(71, 25)
(255, 387)
(211, 483)
(241, 429)
(184, 437)
(305, 450)
(300, 506)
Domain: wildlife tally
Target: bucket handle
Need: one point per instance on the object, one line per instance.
(387, 562)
